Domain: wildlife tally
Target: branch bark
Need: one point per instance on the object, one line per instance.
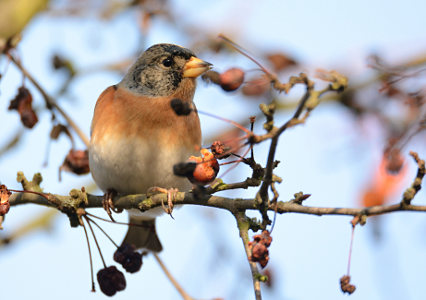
(243, 227)
(144, 203)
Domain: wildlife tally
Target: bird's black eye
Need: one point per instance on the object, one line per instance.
(167, 62)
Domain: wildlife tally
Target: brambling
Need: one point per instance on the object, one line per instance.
(136, 137)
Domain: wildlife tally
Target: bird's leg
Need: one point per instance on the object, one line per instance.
(171, 195)
(108, 204)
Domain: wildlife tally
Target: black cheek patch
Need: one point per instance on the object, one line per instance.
(175, 78)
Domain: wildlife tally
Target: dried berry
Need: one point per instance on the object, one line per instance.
(128, 257)
(180, 108)
(345, 284)
(259, 248)
(23, 104)
(265, 238)
(231, 79)
(220, 150)
(111, 280)
(4, 200)
(206, 169)
(260, 254)
(231, 140)
(57, 130)
(77, 162)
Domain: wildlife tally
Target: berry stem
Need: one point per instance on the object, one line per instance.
(350, 250)
(103, 231)
(96, 242)
(225, 120)
(90, 257)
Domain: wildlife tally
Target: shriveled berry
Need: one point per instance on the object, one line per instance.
(128, 257)
(23, 104)
(120, 253)
(220, 150)
(77, 162)
(4, 208)
(260, 254)
(4, 200)
(259, 248)
(133, 262)
(111, 280)
(346, 286)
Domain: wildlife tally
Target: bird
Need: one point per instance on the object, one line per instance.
(136, 137)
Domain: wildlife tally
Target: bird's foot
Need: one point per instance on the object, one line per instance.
(171, 196)
(108, 204)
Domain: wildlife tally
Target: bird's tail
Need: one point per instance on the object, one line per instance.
(142, 234)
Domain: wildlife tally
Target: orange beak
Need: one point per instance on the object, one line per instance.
(195, 67)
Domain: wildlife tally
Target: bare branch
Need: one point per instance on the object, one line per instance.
(243, 227)
(49, 100)
(233, 205)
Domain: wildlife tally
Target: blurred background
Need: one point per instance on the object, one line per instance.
(75, 49)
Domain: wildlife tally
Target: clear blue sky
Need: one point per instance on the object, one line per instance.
(308, 254)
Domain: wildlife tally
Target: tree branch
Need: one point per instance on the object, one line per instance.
(145, 203)
(49, 100)
(243, 227)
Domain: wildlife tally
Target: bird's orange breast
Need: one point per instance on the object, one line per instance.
(136, 140)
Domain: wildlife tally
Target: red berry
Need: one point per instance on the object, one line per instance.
(231, 79)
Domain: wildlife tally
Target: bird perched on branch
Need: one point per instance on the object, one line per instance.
(136, 136)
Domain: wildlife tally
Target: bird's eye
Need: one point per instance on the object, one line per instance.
(167, 62)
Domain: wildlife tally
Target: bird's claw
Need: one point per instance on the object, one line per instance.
(108, 204)
(171, 196)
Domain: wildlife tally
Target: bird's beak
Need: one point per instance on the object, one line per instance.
(195, 67)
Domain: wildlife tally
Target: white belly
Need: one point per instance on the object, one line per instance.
(131, 165)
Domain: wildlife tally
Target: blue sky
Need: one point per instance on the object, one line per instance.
(309, 253)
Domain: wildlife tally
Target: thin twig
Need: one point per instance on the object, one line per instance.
(225, 120)
(240, 50)
(178, 287)
(263, 191)
(50, 102)
(236, 164)
(274, 201)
